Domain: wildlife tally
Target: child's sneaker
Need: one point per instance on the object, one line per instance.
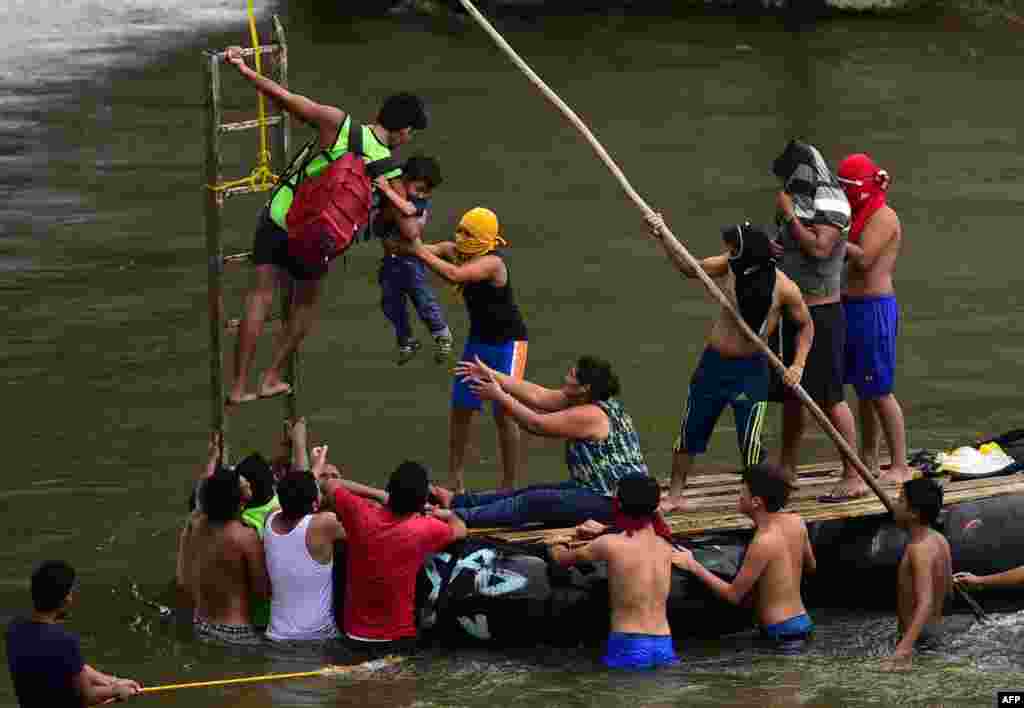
(407, 351)
(444, 348)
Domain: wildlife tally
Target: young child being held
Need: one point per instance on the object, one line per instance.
(403, 276)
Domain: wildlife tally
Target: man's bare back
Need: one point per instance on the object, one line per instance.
(773, 567)
(871, 263)
(925, 575)
(639, 580)
(226, 568)
(786, 546)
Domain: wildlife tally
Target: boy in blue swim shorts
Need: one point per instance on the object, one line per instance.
(775, 561)
(639, 575)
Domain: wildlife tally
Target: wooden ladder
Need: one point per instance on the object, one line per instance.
(214, 195)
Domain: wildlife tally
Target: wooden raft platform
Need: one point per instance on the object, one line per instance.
(717, 495)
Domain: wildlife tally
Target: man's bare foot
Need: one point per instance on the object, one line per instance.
(671, 503)
(444, 497)
(236, 398)
(848, 489)
(896, 475)
(271, 386)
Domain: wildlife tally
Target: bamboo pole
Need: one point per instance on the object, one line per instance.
(669, 237)
(213, 201)
(283, 136)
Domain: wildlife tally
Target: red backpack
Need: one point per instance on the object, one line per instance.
(330, 208)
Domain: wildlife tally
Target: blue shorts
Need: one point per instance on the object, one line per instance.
(507, 357)
(799, 627)
(718, 381)
(872, 324)
(639, 651)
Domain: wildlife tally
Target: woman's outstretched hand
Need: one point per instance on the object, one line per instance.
(475, 369)
(485, 386)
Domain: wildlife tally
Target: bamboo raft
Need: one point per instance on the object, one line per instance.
(717, 495)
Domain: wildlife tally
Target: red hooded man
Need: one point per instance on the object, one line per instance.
(872, 314)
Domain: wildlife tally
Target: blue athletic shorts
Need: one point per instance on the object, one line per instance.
(639, 651)
(872, 324)
(507, 357)
(799, 627)
(718, 381)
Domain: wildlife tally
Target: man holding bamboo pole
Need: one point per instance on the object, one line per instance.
(732, 369)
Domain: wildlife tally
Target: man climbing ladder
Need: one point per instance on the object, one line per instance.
(286, 246)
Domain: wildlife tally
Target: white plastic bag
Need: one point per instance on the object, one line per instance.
(971, 462)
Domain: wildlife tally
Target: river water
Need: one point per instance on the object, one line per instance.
(102, 269)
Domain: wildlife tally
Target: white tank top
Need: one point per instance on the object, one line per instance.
(300, 601)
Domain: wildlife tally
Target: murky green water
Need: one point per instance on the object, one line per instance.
(102, 270)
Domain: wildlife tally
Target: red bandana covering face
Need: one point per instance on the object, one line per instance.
(865, 186)
(629, 524)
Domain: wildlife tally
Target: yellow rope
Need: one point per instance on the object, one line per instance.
(261, 178)
(325, 671)
(263, 164)
(228, 682)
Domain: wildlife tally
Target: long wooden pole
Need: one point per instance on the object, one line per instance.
(291, 403)
(213, 202)
(667, 234)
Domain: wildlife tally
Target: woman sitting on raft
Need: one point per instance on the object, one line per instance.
(602, 446)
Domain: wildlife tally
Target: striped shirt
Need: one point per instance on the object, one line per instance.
(599, 465)
(818, 198)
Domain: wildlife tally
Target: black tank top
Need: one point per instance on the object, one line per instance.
(494, 317)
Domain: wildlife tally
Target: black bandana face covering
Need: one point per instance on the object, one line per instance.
(753, 266)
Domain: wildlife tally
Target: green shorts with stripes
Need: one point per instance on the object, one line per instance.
(718, 381)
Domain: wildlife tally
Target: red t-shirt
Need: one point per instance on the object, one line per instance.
(385, 553)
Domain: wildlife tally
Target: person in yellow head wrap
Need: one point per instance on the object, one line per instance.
(497, 334)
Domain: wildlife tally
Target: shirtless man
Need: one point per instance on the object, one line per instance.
(776, 558)
(224, 565)
(732, 370)
(872, 315)
(639, 576)
(926, 570)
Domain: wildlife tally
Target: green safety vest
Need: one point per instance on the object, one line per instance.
(256, 517)
(372, 148)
